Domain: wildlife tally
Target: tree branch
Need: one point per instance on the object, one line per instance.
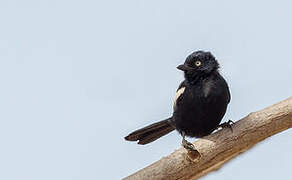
(222, 146)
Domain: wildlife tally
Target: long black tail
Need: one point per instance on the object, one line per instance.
(152, 132)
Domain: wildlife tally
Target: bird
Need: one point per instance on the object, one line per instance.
(200, 103)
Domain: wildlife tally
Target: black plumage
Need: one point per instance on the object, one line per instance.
(200, 104)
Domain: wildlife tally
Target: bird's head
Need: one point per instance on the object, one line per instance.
(199, 63)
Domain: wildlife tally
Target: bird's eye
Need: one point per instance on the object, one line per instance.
(198, 63)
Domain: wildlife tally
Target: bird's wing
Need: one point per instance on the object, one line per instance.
(179, 93)
(228, 91)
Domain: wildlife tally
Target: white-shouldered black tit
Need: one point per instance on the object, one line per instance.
(200, 103)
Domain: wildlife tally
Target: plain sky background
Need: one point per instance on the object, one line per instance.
(77, 76)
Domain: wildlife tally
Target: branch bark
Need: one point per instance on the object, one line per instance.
(222, 146)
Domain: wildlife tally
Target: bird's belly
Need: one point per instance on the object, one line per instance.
(198, 121)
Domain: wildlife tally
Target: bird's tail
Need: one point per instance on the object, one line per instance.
(152, 132)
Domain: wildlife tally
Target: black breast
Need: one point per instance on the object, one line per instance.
(200, 108)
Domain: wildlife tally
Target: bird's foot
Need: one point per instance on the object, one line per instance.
(227, 124)
(188, 146)
(192, 153)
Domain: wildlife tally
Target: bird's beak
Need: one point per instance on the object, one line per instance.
(183, 67)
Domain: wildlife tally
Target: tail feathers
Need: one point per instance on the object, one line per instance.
(150, 133)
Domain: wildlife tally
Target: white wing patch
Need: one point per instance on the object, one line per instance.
(178, 94)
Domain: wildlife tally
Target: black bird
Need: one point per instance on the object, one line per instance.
(200, 103)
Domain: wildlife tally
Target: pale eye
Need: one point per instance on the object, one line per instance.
(198, 63)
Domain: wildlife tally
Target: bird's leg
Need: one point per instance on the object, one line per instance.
(192, 154)
(227, 124)
(187, 145)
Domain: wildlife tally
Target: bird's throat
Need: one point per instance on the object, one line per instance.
(195, 77)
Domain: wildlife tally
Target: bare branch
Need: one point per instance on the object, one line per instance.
(222, 146)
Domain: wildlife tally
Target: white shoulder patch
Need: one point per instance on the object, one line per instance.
(178, 94)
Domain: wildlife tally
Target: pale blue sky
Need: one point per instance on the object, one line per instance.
(77, 76)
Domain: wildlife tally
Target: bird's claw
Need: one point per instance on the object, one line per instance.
(227, 124)
(192, 153)
(188, 146)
